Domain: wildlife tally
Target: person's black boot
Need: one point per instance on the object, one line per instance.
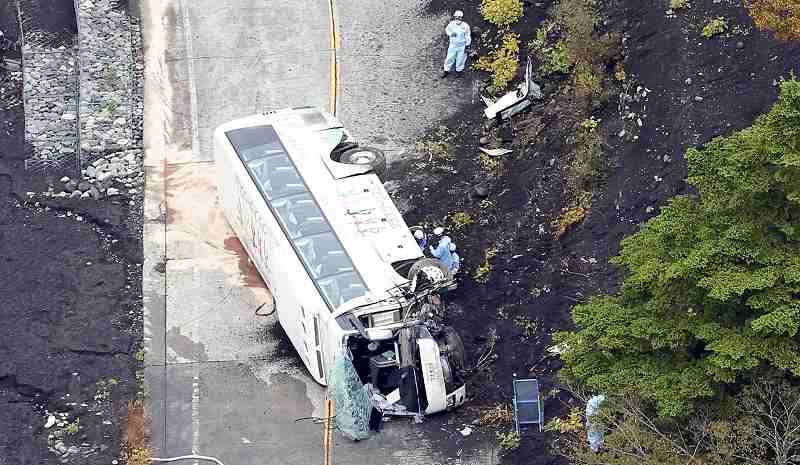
(444, 74)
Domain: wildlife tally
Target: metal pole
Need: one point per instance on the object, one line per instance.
(328, 438)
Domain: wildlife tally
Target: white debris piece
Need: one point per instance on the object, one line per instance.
(466, 431)
(495, 152)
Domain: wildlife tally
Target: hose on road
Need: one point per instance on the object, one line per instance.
(188, 457)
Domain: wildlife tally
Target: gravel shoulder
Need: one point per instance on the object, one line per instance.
(70, 299)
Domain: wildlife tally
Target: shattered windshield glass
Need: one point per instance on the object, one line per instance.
(352, 399)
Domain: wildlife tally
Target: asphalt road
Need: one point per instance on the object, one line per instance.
(223, 382)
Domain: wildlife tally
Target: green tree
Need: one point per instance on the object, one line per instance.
(713, 282)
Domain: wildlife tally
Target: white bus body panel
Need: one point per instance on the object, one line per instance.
(273, 256)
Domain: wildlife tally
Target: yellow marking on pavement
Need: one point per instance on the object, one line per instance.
(334, 59)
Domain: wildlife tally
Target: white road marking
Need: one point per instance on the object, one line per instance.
(187, 31)
(196, 411)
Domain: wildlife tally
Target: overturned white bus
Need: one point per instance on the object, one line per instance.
(346, 274)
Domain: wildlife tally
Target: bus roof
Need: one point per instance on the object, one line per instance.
(345, 229)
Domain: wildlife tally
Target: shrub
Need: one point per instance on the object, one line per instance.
(577, 19)
(503, 62)
(529, 327)
(73, 427)
(569, 218)
(715, 27)
(493, 165)
(459, 220)
(501, 13)
(139, 456)
(555, 59)
(572, 423)
(587, 161)
(679, 5)
(509, 440)
(500, 414)
(587, 81)
(136, 436)
(483, 271)
(590, 124)
(587, 51)
(780, 16)
(438, 145)
(712, 285)
(619, 72)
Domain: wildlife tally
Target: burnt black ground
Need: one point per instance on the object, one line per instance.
(537, 277)
(70, 297)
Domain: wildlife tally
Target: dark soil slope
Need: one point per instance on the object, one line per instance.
(685, 89)
(70, 300)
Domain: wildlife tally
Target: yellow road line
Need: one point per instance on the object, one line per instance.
(334, 59)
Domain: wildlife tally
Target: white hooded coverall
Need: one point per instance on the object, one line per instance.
(460, 38)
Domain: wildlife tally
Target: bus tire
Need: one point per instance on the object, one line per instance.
(365, 156)
(434, 269)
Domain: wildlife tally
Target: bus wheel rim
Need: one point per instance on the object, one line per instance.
(433, 273)
(362, 157)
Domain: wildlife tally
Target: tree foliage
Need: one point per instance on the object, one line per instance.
(634, 435)
(758, 426)
(711, 293)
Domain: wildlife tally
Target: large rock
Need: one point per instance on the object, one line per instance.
(104, 175)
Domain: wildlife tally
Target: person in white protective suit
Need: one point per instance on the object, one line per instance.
(455, 264)
(460, 38)
(442, 249)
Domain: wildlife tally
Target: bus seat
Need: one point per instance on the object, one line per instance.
(281, 168)
(312, 226)
(331, 290)
(303, 211)
(333, 263)
(307, 250)
(351, 292)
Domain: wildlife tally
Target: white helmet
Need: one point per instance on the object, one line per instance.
(418, 234)
(458, 14)
(438, 231)
(452, 247)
